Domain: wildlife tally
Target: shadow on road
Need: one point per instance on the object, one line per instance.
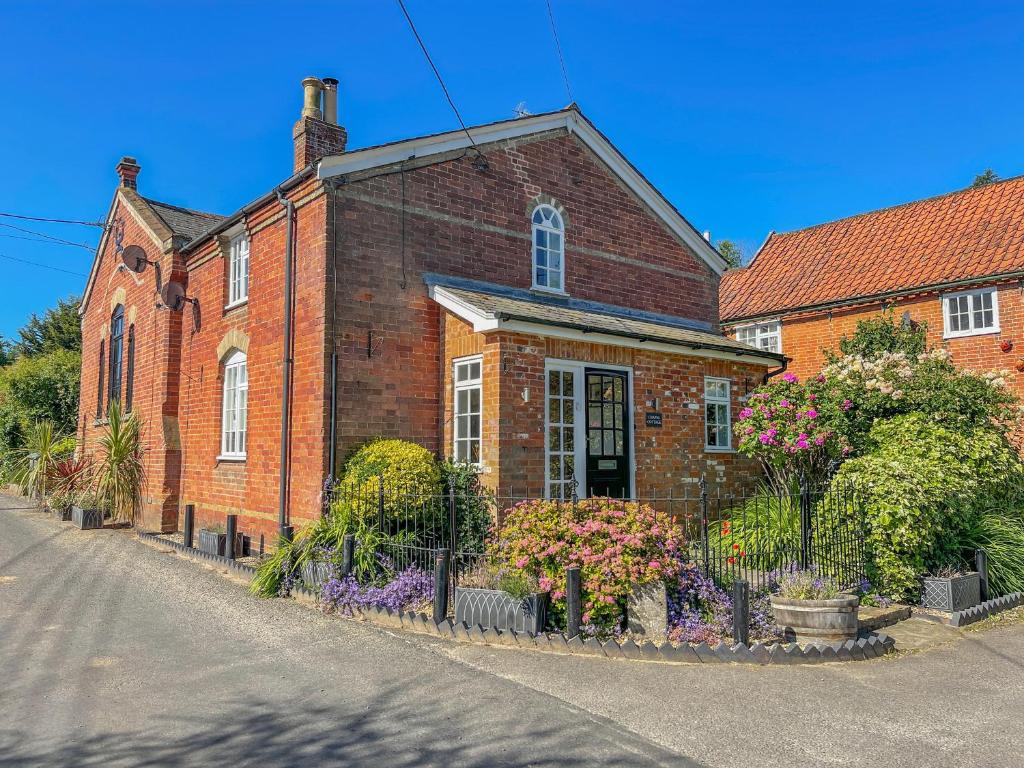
(393, 731)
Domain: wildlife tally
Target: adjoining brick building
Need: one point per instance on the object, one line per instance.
(517, 296)
(954, 262)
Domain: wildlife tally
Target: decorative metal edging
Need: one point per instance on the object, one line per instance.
(988, 608)
(862, 649)
(197, 554)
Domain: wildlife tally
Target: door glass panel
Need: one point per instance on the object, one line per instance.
(554, 410)
(555, 468)
(567, 382)
(594, 443)
(552, 382)
(609, 443)
(567, 412)
(608, 419)
(569, 438)
(595, 416)
(554, 438)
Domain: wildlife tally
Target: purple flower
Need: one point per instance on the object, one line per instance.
(746, 413)
(847, 405)
(790, 377)
(811, 413)
(783, 403)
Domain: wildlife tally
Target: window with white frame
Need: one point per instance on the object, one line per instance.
(236, 404)
(468, 383)
(548, 249)
(238, 270)
(766, 336)
(717, 426)
(971, 312)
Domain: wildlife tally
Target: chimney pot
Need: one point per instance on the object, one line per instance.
(330, 100)
(311, 88)
(128, 170)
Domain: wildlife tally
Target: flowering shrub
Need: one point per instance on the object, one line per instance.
(411, 590)
(806, 584)
(699, 611)
(919, 484)
(615, 544)
(793, 428)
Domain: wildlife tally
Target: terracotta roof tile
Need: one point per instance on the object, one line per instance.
(973, 233)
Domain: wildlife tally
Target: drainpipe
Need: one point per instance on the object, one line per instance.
(286, 369)
(776, 372)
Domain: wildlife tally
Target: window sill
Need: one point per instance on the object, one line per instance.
(236, 458)
(967, 334)
(714, 449)
(100, 422)
(236, 304)
(548, 291)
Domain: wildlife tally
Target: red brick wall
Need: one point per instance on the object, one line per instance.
(157, 338)
(805, 336)
(463, 222)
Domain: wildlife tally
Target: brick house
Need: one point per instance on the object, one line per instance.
(518, 296)
(955, 262)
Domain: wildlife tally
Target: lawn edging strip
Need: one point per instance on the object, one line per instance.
(986, 609)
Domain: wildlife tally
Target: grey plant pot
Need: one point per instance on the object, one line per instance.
(315, 575)
(86, 519)
(815, 621)
(951, 594)
(498, 609)
(214, 543)
(61, 513)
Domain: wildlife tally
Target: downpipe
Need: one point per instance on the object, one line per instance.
(286, 368)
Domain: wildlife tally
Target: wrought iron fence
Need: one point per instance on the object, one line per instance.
(730, 535)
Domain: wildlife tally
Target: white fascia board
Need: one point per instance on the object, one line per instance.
(572, 121)
(481, 321)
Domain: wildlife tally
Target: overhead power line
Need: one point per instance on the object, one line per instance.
(437, 74)
(99, 224)
(558, 47)
(42, 266)
(47, 237)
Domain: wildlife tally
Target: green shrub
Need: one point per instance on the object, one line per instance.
(881, 334)
(407, 470)
(766, 522)
(615, 544)
(918, 480)
(474, 505)
(121, 471)
(32, 466)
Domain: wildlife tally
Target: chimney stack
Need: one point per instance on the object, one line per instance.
(317, 133)
(128, 170)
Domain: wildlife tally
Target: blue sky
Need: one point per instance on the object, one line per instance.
(748, 117)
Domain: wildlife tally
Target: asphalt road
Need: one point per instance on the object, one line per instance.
(113, 653)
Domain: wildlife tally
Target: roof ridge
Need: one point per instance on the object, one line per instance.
(182, 209)
(909, 203)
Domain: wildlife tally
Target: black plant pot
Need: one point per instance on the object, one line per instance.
(213, 543)
(498, 609)
(61, 513)
(87, 519)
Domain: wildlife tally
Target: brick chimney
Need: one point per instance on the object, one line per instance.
(317, 133)
(128, 170)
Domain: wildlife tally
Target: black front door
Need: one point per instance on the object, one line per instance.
(607, 434)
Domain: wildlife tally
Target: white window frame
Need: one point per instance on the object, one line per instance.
(759, 335)
(976, 293)
(556, 227)
(234, 408)
(238, 271)
(718, 400)
(468, 385)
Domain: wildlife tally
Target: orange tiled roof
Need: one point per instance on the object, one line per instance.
(973, 233)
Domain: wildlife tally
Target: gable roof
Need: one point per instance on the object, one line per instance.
(569, 119)
(183, 221)
(491, 307)
(958, 237)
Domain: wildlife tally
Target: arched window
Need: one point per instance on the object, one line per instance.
(548, 249)
(129, 387)
(99, 387)
(236, 402)
(116, 351)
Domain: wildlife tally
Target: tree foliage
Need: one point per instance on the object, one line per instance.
(988, 176)
(731, 253)
(881, 334)
(58, 329)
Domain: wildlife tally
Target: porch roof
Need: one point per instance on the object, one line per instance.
(553, 316)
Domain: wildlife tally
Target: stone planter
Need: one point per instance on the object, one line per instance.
(315, 575)
(498, 609)
(87, 519)
(956, 593)
(214, 543)
(812, 621)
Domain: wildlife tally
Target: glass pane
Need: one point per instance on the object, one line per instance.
(989, 320)
(554, 439)
(569, 464)
(618, 390)
(540, 237)
(462, 427)
(712, 433)
(541, 258)
(595, 416)
(723, 436)
(474, 451)
(553, 382)
(608, 417)
(609, 442)
(594, 389)
(567, 412)
(474, 426)
(555, 468)
(474, 400)
(569, 438)
(461, 372)
(619, 421)
(709, 413)
(567, 383)
(542, 276)
(594, 443)
(474, 370)
(462, 401)
(461, 450)
(620, 443)
(554, 410)
(538, 216)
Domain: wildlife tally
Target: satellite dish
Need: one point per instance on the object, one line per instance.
(134, 258)
(173, 296)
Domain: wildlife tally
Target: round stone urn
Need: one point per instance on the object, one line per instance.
(817, 621)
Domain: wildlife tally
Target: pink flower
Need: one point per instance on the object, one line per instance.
(783, 403)
(790, 377)
(847, 405)
(746, 413)
(522, 562)
(811, 413)
(654, 565)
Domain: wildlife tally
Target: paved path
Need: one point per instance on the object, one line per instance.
(113, 653)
